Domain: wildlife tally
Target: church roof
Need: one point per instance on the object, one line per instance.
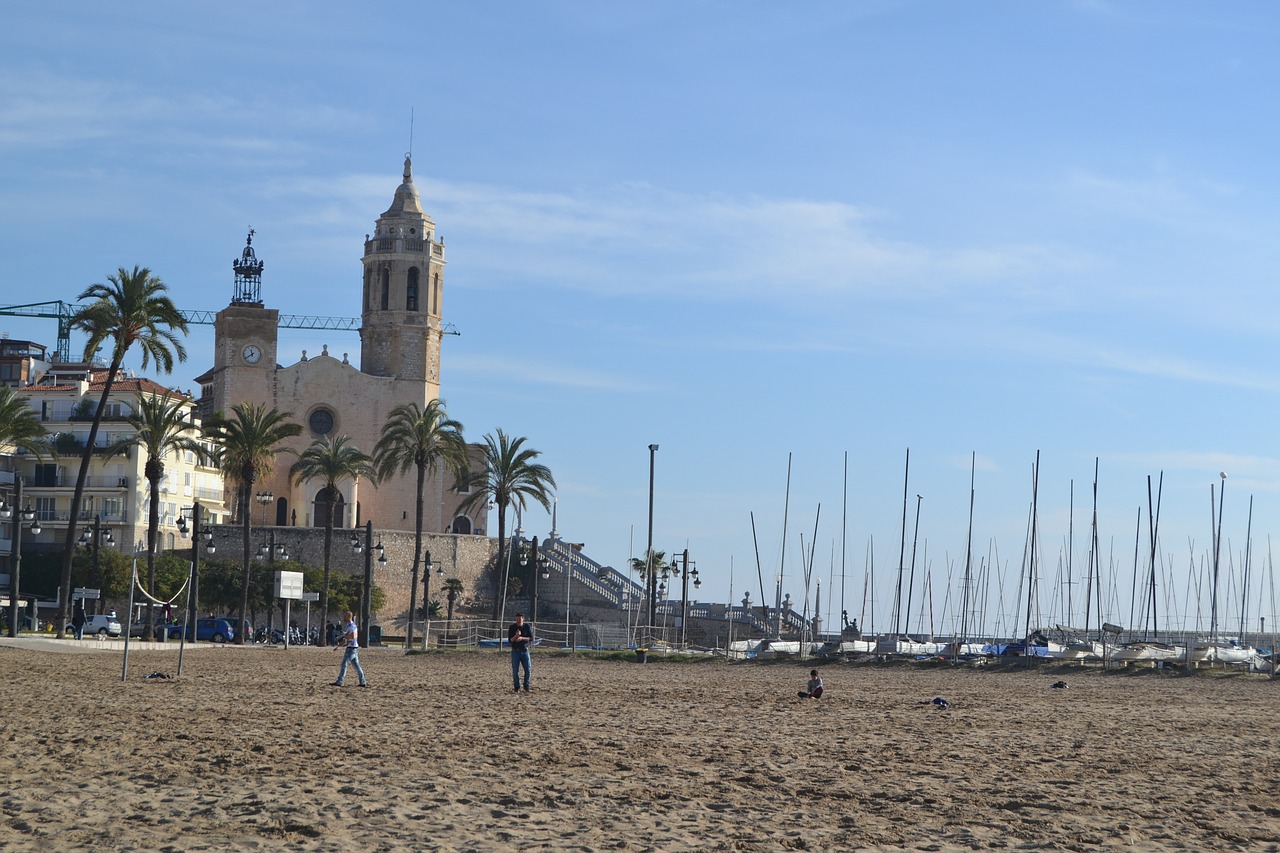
(406, 200)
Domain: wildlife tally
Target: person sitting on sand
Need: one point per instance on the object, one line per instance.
(814, 688)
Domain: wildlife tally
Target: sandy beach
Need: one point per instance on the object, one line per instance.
(251, 749)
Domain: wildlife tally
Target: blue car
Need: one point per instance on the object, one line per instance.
(208, 630)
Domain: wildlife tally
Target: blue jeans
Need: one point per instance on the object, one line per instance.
(520, 658)
(351, 656)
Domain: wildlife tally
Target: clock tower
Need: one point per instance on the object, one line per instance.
(245, 333)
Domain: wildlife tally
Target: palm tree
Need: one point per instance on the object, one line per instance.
(453, 589)
(132, 308)
(421, 438)
(246, 446)
(161, 428)
(20, 429)
(510, 476)
(331, 460)
(657, 563)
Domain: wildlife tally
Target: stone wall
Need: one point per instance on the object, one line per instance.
(462, 557)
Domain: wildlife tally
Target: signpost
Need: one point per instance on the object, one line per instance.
(288, 587)
(309, 597)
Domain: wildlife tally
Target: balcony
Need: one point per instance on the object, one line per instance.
(67, 480)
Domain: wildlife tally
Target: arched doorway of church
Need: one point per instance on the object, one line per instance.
(282, 512)
(461, 524)
(329, 500)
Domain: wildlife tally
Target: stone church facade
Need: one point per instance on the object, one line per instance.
(399, 362)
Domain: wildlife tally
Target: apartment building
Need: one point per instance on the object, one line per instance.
(116, 491)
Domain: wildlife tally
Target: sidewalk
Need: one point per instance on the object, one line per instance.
(47, 643)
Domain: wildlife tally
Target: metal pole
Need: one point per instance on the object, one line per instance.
(684, 601)
(191, 585)
(568, 581)
(651, 579)
(15, 587)
(97, 543)
(133, 581)
(365, 608)
(537, 572)
(426, 602)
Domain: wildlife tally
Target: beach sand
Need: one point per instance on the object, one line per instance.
(251, 749)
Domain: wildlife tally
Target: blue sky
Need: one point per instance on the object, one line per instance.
(740, 231)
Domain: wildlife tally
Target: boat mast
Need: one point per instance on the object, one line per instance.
(1031, 563)
(1217, 549)
(844, 529)
(968, 557)
(1244, 584)
(902, 553)
(1153, 529)
(911, 581)
(782, 558)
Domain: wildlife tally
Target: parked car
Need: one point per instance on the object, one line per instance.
(101, 624)
(172, 631)
(208, 630)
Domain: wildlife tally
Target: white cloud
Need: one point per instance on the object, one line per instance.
(510, 372)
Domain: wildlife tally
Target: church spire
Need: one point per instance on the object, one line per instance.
(248, 289)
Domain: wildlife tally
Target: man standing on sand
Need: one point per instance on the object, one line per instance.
(352, 654)
(520, 636)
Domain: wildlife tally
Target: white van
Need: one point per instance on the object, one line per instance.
(100, 624)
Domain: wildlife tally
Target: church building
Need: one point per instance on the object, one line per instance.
(399, 362)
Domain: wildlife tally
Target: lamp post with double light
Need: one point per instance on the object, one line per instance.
(426, 595)
(687, 572)
(263, 499)
(529, 552)
(21, 518)
(201, 535)
(95, 536)
(366, 593)
(272, 551)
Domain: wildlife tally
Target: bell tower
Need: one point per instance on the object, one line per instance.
(245, 336)
(403, 289)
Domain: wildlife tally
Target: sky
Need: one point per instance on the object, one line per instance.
(766, 237)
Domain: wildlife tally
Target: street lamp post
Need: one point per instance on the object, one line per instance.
(24, 517)
(366, 602)
(685, 574)
(426, 603)
(96, 542)
(651, 580)
(529, 553)
(200, 534)
(264, 498)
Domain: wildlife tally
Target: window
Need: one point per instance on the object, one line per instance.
(46, 509)
(386, 289)
(321, 421)
(435, 293)
(411, 296)
(46, 475)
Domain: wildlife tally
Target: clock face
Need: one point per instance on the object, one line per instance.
(252, 354)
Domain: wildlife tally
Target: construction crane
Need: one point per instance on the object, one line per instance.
(63, 312)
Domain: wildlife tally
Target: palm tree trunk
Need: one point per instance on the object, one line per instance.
(77, 497)
(328, 549)
(417, 553)
(153, 528)
(246, 493)
(500, 600)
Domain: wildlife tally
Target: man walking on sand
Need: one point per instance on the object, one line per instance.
(520, 636)
(352, 653)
